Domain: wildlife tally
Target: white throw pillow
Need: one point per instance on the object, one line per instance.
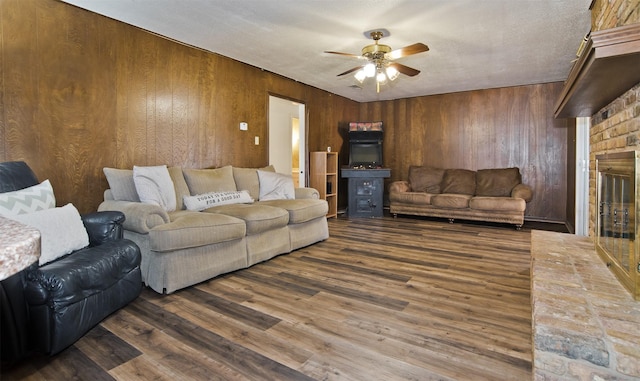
(209, 200)
(154, 186)
(275, 186)
(27, 200)
(61, 231)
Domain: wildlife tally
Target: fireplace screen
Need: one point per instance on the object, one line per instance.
(616, 193)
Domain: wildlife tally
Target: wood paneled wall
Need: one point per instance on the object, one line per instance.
(81, 92)
(493, 128)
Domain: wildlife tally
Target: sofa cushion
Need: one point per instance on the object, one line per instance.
(201, 181)
(497, 182)
(247, 179)
(154, 186)
(451, 200)
(459, 181)
(193, 229)
(276, 186)
(121, 184)
(425, 179)
(301, 210)
(502, 204)
(414, 198)
(180, 185)
(258, 218)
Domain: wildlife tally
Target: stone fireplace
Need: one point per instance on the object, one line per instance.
(616, 226)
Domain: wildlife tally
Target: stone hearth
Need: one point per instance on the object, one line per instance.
(586, 325)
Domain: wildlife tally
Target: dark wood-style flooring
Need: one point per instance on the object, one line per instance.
(382, 299)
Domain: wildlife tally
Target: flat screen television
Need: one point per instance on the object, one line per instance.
(365, 154)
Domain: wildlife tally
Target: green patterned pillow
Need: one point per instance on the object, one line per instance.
(28, 200)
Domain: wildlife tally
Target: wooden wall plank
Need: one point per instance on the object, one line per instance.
(491, 128)
(21, 139)
(82, 92)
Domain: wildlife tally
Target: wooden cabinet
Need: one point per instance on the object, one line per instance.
(323, 169)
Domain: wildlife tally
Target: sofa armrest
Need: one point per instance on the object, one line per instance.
(307, 193)
(399, 187)
(140, 217)
(522, 191)
(103, 226)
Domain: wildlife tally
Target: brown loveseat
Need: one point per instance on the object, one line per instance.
(494, 195)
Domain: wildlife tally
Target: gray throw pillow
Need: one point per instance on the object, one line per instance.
(201, 181)
(121, 184)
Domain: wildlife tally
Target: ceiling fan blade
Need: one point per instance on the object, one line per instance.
(344, 54)
(351, 71)
(406, 51)
(406, 70)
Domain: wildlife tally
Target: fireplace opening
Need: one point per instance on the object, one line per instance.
(616, 226)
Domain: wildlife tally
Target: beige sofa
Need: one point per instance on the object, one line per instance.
(184, 247)
(493, 195)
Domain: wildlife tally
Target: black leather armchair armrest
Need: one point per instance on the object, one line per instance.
(70, 295)
(82, 273)
(103, 226)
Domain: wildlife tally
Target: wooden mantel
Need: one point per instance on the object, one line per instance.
(608, 66)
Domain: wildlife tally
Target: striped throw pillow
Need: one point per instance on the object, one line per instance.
(28, 200)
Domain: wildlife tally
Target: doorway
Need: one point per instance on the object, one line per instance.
(287, 138)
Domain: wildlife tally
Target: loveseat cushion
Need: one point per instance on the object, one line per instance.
(459, 181)
(302, 210)
(258, 218)
(498, 204)
(192, 229)
(247, 179)
(451, 201)
(497, 182)
(425, 178)
(201, 181)
(414, 198)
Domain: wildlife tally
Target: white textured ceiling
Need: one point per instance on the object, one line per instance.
(474, 44)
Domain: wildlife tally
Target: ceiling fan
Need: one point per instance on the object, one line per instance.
(381, 63)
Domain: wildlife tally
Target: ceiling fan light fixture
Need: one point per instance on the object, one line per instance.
(360, 75)
(392, 73)
(380, 57)
(369, 70)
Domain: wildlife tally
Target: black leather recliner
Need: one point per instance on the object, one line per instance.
(67, 297)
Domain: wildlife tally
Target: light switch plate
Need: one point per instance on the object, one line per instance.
(257, 140)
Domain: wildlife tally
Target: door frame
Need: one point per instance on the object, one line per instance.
(272, 127)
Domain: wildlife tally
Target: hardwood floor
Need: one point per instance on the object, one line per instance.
(382, 299)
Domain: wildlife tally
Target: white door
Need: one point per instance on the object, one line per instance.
(287, 138)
